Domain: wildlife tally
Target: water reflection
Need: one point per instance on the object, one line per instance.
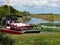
(56, 21)
(39, 20)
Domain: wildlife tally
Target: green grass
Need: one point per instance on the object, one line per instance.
(50, 24)
(38, 27)
(50, 29)
(36, 39)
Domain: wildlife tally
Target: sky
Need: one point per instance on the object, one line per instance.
(35, 6)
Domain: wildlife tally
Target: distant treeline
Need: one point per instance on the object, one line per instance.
(49, 17)
(46, 14)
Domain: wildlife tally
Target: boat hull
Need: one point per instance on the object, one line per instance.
(19, 32)
(12, 31)
(32, 31)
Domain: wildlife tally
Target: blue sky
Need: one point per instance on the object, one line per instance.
(35, 6)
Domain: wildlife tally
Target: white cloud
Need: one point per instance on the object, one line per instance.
(39, 2)
(53, 5)
(54, 0)
(35, 3)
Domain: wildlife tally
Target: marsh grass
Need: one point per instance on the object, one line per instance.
(47, 17)
(37, 39)
(47, 29)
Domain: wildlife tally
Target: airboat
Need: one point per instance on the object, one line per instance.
(12, 24)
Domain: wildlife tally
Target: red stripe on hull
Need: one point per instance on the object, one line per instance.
(12, 31)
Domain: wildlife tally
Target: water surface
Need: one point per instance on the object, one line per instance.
(39, 20)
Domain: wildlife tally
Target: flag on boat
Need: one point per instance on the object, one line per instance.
(7, 1)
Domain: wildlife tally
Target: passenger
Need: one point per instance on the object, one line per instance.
(13, 21)
(8, 23)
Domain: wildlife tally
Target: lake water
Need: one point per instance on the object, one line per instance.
(39, 20)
